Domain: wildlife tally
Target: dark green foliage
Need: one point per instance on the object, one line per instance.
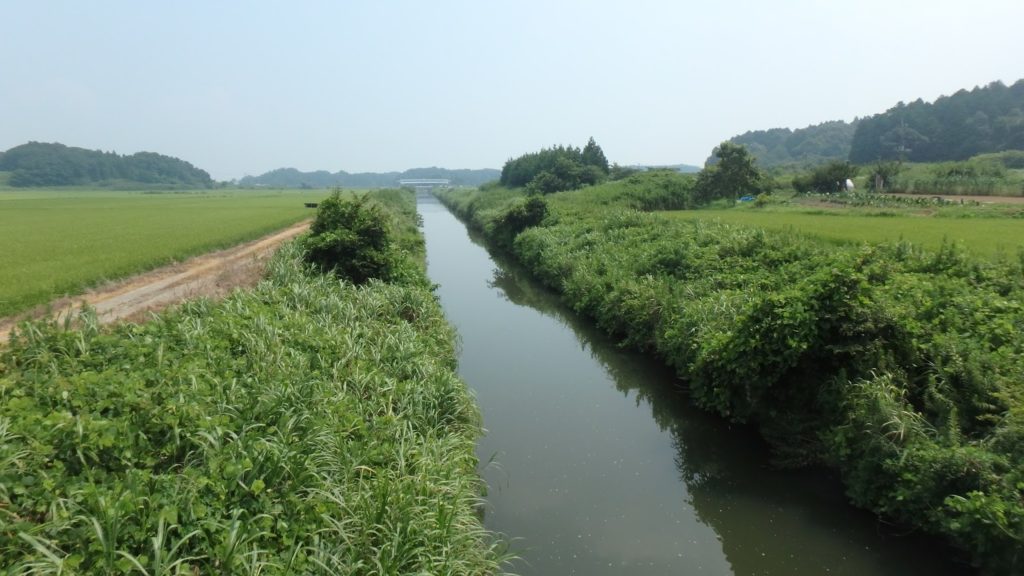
(989, 119)
(734, 175)
(899, 367)
(883, 172)
(556, 169)
(826, 179)
(986, 174)
(353, 238)
(40, 164)
(802, 147)
(592, 155)
(617, 172)
(517, 217)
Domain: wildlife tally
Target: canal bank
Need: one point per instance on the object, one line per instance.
(598, 465)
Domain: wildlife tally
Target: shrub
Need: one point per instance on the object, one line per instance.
(352, 238)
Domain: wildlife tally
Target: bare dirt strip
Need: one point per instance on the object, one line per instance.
(212, 275)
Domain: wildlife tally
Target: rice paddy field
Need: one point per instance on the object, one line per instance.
(62, 241)
(983, 236)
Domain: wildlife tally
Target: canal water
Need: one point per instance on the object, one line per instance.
(597, 464)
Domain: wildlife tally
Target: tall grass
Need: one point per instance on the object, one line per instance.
(308, 426)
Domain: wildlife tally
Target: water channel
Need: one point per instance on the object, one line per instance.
(597, 464)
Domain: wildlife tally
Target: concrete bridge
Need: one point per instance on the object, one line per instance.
(425, 183)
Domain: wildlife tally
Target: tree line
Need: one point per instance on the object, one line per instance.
(957, 127)
(53, 164)
(983, 120)
(557, 168)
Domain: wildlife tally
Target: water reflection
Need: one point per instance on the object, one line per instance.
(594, 490)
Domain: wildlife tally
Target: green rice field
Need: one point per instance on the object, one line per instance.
(986, 237)
(62, 241)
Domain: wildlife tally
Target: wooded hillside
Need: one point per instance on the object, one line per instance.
(46, 164)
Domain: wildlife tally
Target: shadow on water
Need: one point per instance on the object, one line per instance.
(765, 520)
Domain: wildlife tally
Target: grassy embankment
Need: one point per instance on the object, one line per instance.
(898, 364)
(62, 241)
(308, 426)
(995, 174)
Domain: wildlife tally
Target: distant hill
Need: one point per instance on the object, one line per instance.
(44, 164)
(801, 147)
(983, 120)
(684, 168)
(292, 178)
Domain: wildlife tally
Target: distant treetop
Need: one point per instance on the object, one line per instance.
(808, 146)
(557, 168)
(957, 127)
(983, 120)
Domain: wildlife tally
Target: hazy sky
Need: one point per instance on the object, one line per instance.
(240, 88)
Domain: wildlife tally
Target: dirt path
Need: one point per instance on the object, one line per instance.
(212, 275)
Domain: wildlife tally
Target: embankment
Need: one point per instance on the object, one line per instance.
(900, 367)
(305, 426)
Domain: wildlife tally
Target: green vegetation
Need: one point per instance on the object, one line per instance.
(41, 164)
(989, 119)
(309, 426)
(801, 147)
(732, 176)
(898, 365)
(987, 237)
(984, 120)
(997, 174)
(556, 169)
(58, 242)
(827, 178)
(352, 238)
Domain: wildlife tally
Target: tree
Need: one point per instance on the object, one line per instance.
(882, 174)
(594, 156)
(556, 169)
(352, 237)
(734, 175)
(826, 179)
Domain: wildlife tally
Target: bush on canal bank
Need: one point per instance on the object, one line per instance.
(901, 367)
(308, 426)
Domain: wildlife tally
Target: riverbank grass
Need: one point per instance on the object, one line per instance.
(308, 426)
(896, 363)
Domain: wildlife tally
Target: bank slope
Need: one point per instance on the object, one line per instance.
(305, 426)
(899, 366)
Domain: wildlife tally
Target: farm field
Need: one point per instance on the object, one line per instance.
(62, 241)
(985, 237)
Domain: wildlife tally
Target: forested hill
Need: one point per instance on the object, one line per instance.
(989, 119)
(968, 123)
(44, 164)
(292, 178)
(801, 147)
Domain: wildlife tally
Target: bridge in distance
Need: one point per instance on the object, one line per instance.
(425, 183)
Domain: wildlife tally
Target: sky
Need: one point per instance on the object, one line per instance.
(243, 87)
